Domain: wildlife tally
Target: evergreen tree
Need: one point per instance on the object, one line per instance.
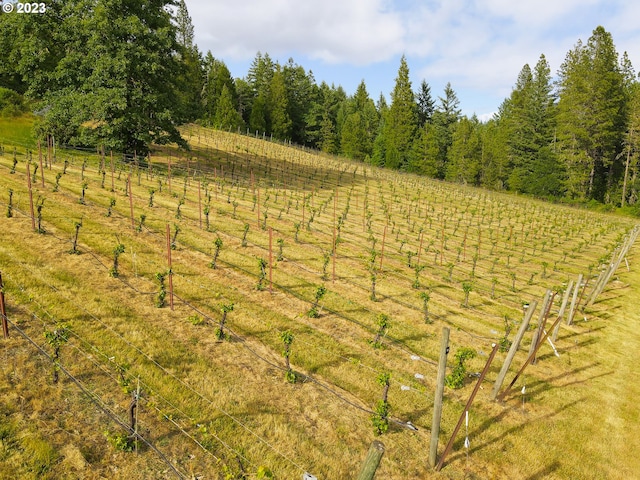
(227, 116)
(401, 121)
(217, 78)
(591, 117)
(631, 182)
(190, 80)
(302, 93)
(465, 155)
(426, 104)
(360, 125)
(278, 107)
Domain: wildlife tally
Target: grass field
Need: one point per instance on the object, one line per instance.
(223, 409)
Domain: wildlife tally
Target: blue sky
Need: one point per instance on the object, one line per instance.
(479, 46)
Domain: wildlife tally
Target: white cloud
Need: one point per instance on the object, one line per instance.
(357, 32)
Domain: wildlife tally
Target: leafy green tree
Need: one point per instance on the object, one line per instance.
(116, 76)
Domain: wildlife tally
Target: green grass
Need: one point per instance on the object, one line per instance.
(17, 130)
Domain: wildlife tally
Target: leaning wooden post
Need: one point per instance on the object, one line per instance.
(541, 330)
(33, 218)
(370, 465)
(437, 402)
(543, 314)
(466, 407)
(170, 269)
(503, 394)
(3, 311)
(514, 348)
(576, 291)
(563, 307)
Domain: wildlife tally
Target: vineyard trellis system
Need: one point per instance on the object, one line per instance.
(477, 257)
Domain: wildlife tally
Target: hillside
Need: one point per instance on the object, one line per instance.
(424, 253)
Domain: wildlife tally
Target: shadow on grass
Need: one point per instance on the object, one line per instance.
(546, 384)
(544, 472)
(459, 443)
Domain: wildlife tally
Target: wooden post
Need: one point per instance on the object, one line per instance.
(113, 184)
(466, 407)
(543, 314)
(542, 324)
(437, 402)
(133, 224)
(33, 218)
(170, 269)
(514, 348)
(40, 158)
(3, 311)
(563, 307)
(370, 465)
(531, 357)
(576, 291)
(420, 247)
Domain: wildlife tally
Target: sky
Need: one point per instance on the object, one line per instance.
(479, 46)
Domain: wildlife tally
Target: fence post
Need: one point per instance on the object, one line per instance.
(437, 402)
(370, 465)
(574, 300)
(563, 307)
(512, 351)
(503, 394)
(447, 449)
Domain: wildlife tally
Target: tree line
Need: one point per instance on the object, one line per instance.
(125, 74)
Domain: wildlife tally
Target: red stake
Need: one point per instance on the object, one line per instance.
(170, 269)
(40, 157)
